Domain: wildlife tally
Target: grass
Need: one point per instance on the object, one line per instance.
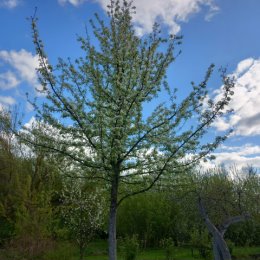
(246, 251)
(101, 254)
(97, 250)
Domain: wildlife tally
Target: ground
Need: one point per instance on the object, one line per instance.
(97, 251)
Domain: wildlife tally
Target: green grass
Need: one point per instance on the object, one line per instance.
(97, 250)
(246, 251)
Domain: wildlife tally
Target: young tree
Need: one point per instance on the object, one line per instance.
(82, 212)
(95, 108)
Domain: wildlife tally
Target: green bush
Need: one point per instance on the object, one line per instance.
(168, 246)
(131, 247)
(6, 230)
(230, 245)
(200, 240)
(204, 251)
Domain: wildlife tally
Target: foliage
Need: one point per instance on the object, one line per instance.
(25, 193)
(82, 212)
(200, 240)
(148, 215)
(130, 247)
(221, 203)
(228, 193)
(6, 230)
(31, 191)
(169, 248)
(231, 246)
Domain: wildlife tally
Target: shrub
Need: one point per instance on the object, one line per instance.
(131, 247)
(230, 245)
(6, 230)
(200, 240)
(169, 248)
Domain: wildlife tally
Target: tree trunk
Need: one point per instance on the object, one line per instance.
(220, 248)
(81, 252)
(112, 232)
(112, 243)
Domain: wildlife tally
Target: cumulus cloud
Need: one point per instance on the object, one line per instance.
(22, 68)
(245, 103)
(8, 80)
(6, 101)
(9, 3)
(240, 156)
(168, 12)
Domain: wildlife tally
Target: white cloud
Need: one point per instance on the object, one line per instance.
(8, 80)
(9, 3)
(23, 62)
(244, 65)
(23, 65)
(246, 116)
(7, 100)
(214, 9)
(242, 156)
(168, 12)
(73, 2)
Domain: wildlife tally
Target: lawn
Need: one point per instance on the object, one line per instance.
(98, 251)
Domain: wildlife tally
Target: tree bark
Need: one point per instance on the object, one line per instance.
(220, 248)
(112, 243)
(81, 253)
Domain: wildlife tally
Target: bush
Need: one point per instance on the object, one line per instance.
(6, 230)
(200, 241)
(230, 245)
(131, 247)
(64, 251)
(30, 247)
(169, 248)
(204, 251)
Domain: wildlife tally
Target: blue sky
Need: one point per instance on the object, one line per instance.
(223, 32)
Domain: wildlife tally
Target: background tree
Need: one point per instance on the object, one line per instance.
(247, 233)
(95, 108)
(82, 211)
(26, 187)
(8, 175)
(223, 201)
(151, 216)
